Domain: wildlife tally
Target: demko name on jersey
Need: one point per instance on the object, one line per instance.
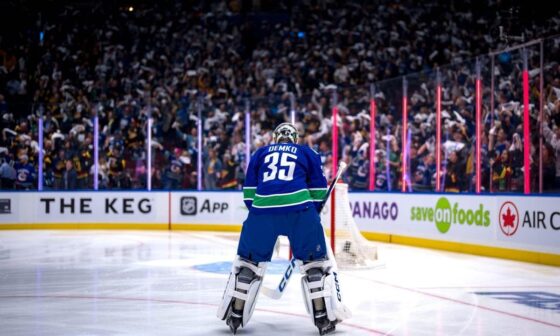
(282, 148)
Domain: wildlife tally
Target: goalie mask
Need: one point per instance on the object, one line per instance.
(285, 132)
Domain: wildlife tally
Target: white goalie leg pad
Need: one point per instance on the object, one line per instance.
(226, 298)
(307, 297)
(328, 288)
(246, 291)
(335, 307)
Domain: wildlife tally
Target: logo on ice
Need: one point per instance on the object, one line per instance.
(445, 214)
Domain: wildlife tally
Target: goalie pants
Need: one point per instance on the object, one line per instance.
(303, 229)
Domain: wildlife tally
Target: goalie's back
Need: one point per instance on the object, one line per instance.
(284, 177)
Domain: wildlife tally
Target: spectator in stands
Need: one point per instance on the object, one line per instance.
(7, 172)
(118, 177)
(58, 167)
(69, 177)
(381, 182)
(25, 173)
(515, 161)
(359, 169)
(549, 167)
(167, 61)
(425, 173)
(501, 177)
(173, 176)
(229, 176)
(553, 146)
(212, 170)
(454, 174)
(395, 162)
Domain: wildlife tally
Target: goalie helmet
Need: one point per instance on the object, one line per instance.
(285, 132)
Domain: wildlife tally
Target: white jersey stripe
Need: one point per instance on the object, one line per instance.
(286, 194)
(281, 205)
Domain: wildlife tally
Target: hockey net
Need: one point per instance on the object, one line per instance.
(351, 249)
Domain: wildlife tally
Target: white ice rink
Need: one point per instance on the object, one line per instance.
(170, 283)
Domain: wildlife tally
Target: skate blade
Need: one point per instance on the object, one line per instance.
(233, 326)
(327, 330)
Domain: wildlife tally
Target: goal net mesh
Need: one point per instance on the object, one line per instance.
(351, 249)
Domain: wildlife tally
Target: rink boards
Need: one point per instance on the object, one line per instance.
(511, 227)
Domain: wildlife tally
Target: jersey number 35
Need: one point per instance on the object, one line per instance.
(281, 165)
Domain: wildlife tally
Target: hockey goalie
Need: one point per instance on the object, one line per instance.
(284, 191)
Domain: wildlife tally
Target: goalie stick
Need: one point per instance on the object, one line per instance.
(279, 290)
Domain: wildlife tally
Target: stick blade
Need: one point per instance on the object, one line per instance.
(271, 293)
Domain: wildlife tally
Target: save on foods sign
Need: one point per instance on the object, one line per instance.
(521, 223)
(445, 214)
(466, 219)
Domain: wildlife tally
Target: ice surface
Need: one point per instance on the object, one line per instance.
(170, 283)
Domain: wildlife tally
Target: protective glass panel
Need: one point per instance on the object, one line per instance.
(550, 141)
(389, 99)
(510, 158)
(421, 133)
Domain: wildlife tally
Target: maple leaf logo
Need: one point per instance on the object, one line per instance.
(508, 218)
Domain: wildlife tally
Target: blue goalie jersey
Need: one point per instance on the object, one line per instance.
(283, 178)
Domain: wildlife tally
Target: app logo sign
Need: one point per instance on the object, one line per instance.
(444, 215)
(5, 206)
(188, 206)
(509, 218)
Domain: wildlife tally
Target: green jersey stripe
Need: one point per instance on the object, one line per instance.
(282, 200)
(318, 194)
(249, 193)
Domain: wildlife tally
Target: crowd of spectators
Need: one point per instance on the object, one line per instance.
(178, 63)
